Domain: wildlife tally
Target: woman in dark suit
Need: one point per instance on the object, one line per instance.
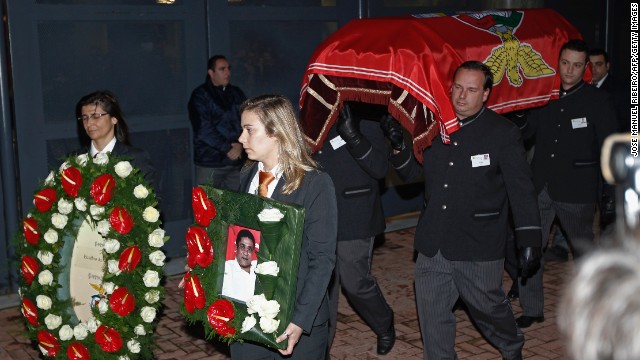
(102, 119)
(272, 139)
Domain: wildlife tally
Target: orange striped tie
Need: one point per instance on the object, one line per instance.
(265, 178)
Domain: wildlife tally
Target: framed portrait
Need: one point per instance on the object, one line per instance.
(246, 232)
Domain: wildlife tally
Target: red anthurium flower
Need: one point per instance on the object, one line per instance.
(108, 338)
(44, 199)
(30, 228)
(48, 343)
(193, 293)
(122, 301)
(77, 351)
(121, 220)
(29, 268)
(219, 315)
(130, 258)
(71, 181)
(203, 208)
(102, 189)
(199, 249)
(30, 312)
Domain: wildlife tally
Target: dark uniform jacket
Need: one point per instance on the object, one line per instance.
(318, 249)
(569, 133)
(356, 173)
(215, 119)
(469, 185)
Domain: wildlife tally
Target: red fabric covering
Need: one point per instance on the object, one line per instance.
(407, 63)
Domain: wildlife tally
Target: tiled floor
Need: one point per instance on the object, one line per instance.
(393, 266)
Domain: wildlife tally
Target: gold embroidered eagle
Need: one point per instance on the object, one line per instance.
(511, 55)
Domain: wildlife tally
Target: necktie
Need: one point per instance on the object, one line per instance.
(265, 179)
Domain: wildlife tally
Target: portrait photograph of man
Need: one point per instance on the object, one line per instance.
(240, 265)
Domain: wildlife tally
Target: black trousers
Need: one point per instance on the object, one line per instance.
(353, 274)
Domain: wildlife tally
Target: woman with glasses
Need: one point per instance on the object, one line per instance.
(101, 117)
(272, 139)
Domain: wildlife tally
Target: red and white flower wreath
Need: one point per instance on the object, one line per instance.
(114, 197)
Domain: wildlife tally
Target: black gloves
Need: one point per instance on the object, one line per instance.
(393, 131)
(348, 128)
(529, 260)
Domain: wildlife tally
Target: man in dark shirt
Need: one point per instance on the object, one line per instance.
(569, 133)
(215, 119)
(470, 185)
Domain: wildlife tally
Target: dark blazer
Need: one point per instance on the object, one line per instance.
(567, 154)
(466, 216)
(139, 158)
(356, 173)
(318, 251)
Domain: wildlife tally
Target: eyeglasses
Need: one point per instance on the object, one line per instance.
(245, 248)
(94, 116)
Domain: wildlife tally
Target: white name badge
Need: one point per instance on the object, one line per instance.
(337, 142)
(480, 160)
(579, 123)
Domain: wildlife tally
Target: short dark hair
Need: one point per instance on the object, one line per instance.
(211, 64)
(478, 66)
(576, 45)
(109, 103)
(598, 51)
(244, 233)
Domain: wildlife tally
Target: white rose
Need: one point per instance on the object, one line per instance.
(52, 321)
(51, 236)
(45, 257)
(66, 333)
(157, 258)
(101, 159)
(81, 204)
(123, 169)
(133, 346)
(50, 180)
(113, 268)
(269, 309)
(248, 323)
(139, 330)
(151, 278)
(140, 192)
(270, 215)
(123, 357)
(148, 314)
(111, 246)
(268, 268)
(269, 326)
(59, 220)
(254, 303)
(152, 296)
(82, 159)
(150, 214)
(80, 331)
(64, 206)
(156, 238)
(43, 302)
(109, 287)
(103, 227)
(93, 324)
(103, 306)
(96, 211)
(45, 277)
(65, 165)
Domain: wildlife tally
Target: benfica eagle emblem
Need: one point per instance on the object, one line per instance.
(510, 56)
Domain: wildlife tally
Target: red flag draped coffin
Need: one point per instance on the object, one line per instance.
(407, 63)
